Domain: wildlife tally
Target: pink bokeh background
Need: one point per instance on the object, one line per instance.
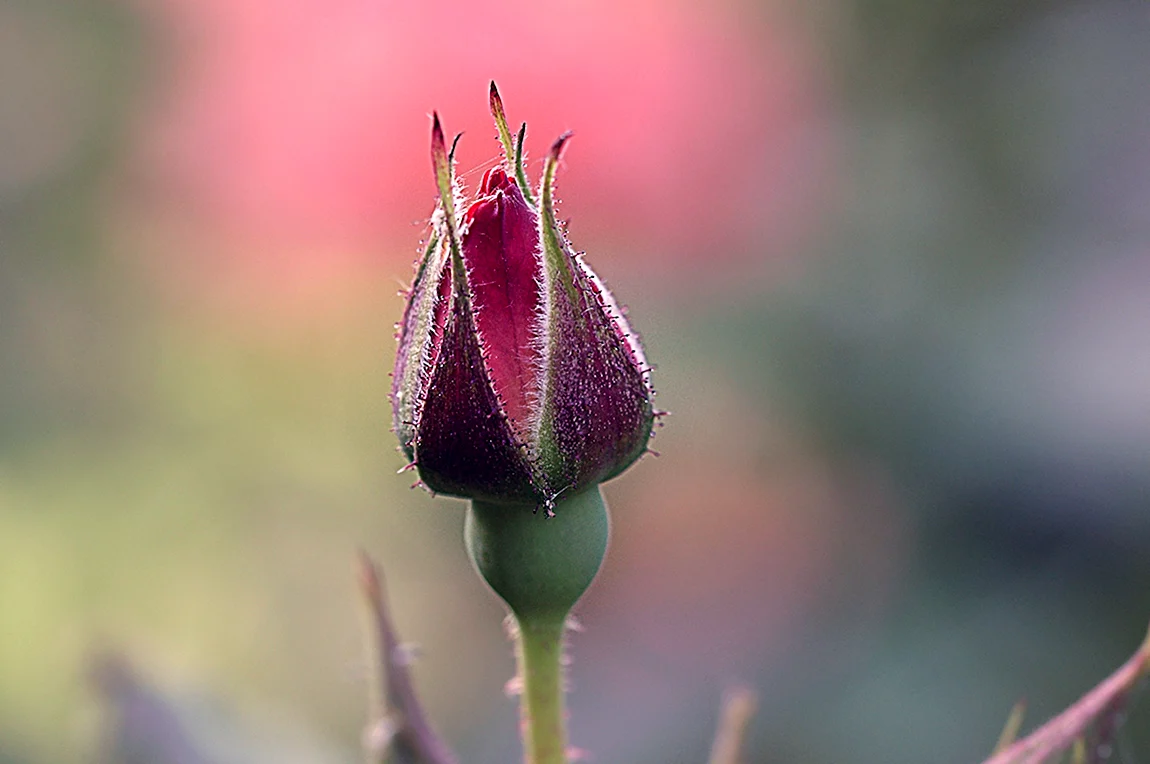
(288, 144)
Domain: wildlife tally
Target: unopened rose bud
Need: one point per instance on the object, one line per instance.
(518, 378)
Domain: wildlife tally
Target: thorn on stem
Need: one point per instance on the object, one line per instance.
(560, 142)
(514, 687)
(378, 736)
(578, 754)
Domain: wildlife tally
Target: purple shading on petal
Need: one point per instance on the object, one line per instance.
(464, 445)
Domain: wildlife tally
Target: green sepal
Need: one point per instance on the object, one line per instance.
(513, 154)
(557, 275)
(416, 326)
(539, 565)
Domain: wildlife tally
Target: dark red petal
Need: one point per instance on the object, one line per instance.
(501, 252)
(464, 445)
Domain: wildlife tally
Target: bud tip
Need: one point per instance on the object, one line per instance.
(496, 101)
(437, 141)
(560, 142)
(438, 144)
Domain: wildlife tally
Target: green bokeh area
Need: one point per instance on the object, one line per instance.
(904, 483)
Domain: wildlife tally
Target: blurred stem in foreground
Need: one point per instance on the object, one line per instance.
(1086, 729)
(398, 730)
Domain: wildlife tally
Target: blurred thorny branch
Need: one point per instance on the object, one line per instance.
(1086, 732)
(141, 726)
(144, 727)
(398, 730)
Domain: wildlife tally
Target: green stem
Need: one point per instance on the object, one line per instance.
(540, 566)
(542, 713)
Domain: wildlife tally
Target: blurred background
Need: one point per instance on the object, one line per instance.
(892, 260)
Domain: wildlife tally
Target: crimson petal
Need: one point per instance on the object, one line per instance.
(501, 251)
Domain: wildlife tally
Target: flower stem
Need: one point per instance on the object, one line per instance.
(540, 566)
(542, 713)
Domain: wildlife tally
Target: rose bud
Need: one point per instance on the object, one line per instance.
(518, 378)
